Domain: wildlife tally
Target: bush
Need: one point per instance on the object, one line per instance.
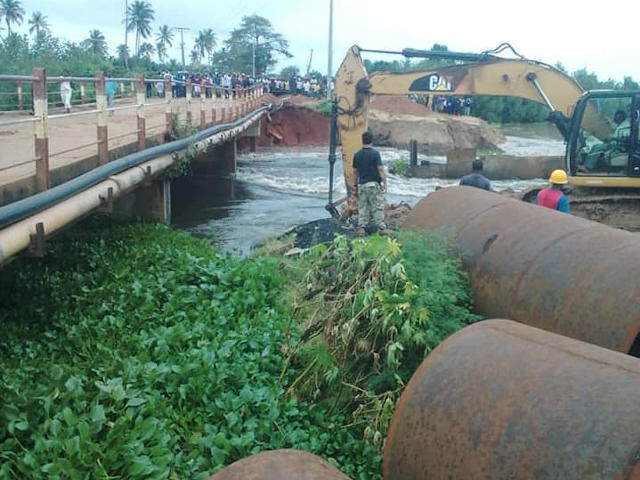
(371, 311)
(400, 167)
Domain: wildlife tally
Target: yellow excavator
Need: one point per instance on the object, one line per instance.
(600, 127)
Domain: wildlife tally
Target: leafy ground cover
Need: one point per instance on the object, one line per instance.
(135, 351)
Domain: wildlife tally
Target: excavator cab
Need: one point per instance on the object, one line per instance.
(603, 147)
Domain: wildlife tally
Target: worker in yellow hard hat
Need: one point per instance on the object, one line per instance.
(553, 197)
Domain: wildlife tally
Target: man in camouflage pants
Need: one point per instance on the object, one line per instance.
(371, 184)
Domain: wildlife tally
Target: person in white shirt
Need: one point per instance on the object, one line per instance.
(66, 91)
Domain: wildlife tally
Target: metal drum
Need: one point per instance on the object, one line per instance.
(280, 465)
(501, 401)
(541, 267)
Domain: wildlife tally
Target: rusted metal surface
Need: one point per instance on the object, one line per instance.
(280, 465)
(500, 400)
(541, 267)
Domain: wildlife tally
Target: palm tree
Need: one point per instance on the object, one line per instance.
(195, 55)
(38, 23)
(161, 50)
(123, 52)
(96, 43)
(12, 12)
(205, 42)
(146, 50)
(164, 39)
(140, 15)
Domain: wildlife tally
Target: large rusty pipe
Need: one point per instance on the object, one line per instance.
(540, 267)
(280, 465)
(500, 400)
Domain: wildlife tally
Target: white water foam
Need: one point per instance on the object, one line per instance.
(306, 172)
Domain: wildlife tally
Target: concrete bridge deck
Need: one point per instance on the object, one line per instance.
(56, 168)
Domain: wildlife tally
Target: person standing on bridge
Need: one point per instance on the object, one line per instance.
(110, 88)
(371, 184)
(66, 91)
(475, 178)
(553, 197)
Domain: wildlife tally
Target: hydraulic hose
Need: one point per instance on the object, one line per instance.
(15, 211)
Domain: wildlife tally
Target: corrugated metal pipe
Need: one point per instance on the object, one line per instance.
(540, 267)
(500, 400)
(280, 465)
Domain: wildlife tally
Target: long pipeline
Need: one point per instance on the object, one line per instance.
(540, 267)
(23, 208)
(500, 400)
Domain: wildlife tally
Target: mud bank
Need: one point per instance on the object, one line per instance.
(396, 120)
(393, 120)
(291, 126)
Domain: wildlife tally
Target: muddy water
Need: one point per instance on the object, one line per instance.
(276, 189)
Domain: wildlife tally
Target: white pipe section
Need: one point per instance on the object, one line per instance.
(17, 237)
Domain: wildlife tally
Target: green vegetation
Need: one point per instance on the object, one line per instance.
(400, 166)
(371, 311)
(323, 107)
(134, 351)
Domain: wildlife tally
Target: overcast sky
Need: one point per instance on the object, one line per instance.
(580, 36)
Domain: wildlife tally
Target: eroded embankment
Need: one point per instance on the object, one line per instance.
(394, 121)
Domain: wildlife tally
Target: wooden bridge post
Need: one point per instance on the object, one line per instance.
(140, 100)
(41, 111)
(101, 106)
(203, 96)
(168, 95)
(222, 113)
(188, 94)
(20, 101)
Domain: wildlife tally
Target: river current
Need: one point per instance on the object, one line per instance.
(276, 189)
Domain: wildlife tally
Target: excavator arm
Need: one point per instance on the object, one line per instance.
(486, 75)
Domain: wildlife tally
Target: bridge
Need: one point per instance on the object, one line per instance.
(57, 167)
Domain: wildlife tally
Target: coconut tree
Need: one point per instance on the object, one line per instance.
(140, 14)
(165, 35)
(205, 42)
(161, 50)
(123, 52)
(194, 55)
(96, 43)
(12, 12)
(146, 50)
(38, 23)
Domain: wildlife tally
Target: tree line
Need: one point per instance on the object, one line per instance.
(503, 109)
(252, 46)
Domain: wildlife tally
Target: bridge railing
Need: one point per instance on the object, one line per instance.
(197, 105)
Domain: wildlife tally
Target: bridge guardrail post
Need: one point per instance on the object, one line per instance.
(203, 97)
(168, 95)
(214, 100)
(83, 94)
(20, 100)
(41, 111)
(140, 100)
(101, 106)
(188, 102)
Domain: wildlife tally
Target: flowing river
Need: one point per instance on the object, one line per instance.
(276, 189)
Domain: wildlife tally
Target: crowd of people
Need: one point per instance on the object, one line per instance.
(225, 85)
(447, 104)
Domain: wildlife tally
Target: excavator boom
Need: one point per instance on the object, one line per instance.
(483, 74)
